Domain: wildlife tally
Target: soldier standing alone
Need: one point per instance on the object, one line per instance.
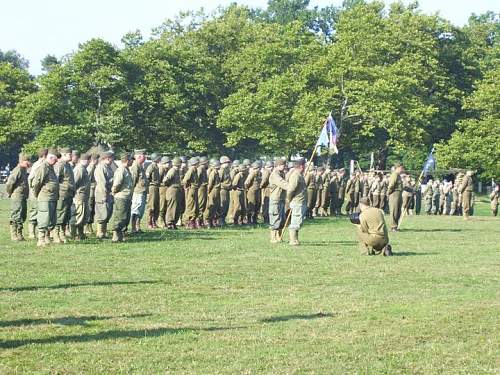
(394, 189)
(296, 194)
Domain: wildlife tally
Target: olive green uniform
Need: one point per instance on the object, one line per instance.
(494, 202)
(395, 189)
(407, 197)
(435, 199)
(163, 169)
(173, 194)
(190, 183)
(375, 189)
(372, 231)
(252, 186)
(91, 170)
(139, 191)
(66, 193)
(466, 189)
(277, 188)
(310, 180)
(45, 186)
(334, 195)
(103, 175)
(32, 213)
(265, 193)
(122, 194)
(213, 196)
(82, 195)
(341, 196)
(202, 191)
(153, 205)
(238, 197)
(18, 191)
(225, 189)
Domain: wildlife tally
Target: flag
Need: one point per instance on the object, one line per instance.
(328, 136)
(430, 163)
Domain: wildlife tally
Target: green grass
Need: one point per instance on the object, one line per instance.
(227, 301)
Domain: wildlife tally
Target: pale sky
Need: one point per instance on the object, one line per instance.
(36, 28)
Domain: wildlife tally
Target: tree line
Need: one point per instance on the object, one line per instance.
(243, 81)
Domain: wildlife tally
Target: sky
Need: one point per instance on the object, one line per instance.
(36, 28)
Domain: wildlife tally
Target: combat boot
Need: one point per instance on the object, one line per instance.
(56, 237)
(138, 226)
(116, 236)
(274, 236)
(20, 236)
(31, 230)
(13, 232)
(41, 239)
(62, 234)
(294, 238)
(133, 224)
(123, 235)
(72, 231)
(47, 237)
(89, 229)
(98, 232)
(150, 220)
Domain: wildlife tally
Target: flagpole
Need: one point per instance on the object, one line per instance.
(280, 237)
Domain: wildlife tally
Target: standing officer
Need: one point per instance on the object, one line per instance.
(213, 194)
(139, 190)
(82, 192)
(202, 189)
(164, 166)
(310, 179)
(17, 189)
(225, 189)
(466, 189)
(122, 195)
(190, 183)
(375, 190)
(395, 189)
(173, 194)
(103, 175)
(407, 195)
(45, 185)
(265, 192)
(296, 194)
(42, 154)
(66, 193)
(277, 197)
(94, 160)
(252, 186)
(153, 177)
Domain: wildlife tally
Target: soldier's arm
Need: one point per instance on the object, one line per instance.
(12, 182)
(186, 181)
(392, 184)
(77, 173)
(117, 182)
(292, 186)
(71, 182)
(249, 180)
(236, 180)
(38, 179)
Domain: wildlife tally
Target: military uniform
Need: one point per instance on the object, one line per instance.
(103, 175)
(466, 189)
(341, 195)
(226, 186)
(81, 199)
(173, 194)
(407, 197)
(32, 213)
(372, 231)
(153, 196)
(66, 193)
(394, 189)
(202, 184)
(252, 186)
(238, 198)
(139, 191)
(334, 195)
(494, 196)
(375, 190)
(319, 192)
(91, 170)
(428, 192)
(122, 194)
(45, 185)
(18, 191)
(213, 194)
(163, 169)
(296, 194)
(384, 205)
(277, 188)
(265, 192)
(190, 183)
(310, 179)
(435, 198)
(325, 195)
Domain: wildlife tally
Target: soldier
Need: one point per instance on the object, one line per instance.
(122, 194)
(418, 197)
(42, 154)
(182, 197)
(103, 175)
(342, 187)
(372, 230)
(448, 197)
(66, 193)
(277, 197)
(427, 192)
(17, 189)
(252, 186)
(375, 190)
(384, 205)
(395, 189)
(153, 177)
(190, 183)
(213, 194)
(246, 164)
(407, 195)
(225, 184)
(350, 192)
(233, 171)
(435, 197)
(320, 171)
(202, 190)
(173, 193)
(265, 192)
(82, 193)
(334, 193)
(165, 165)
(495, 194)
(466, 189)
(71, 228)
(310, 179)
(238, 184)
(94, 160)
(325, 194)
(296, 194)
(139, 190)
(45, 185)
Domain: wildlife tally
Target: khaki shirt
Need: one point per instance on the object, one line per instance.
(190, 178)
(153, 174)
(213, 184)
(225, 178)
(139, 179)
(372, 222)
(297, 188)
(103, 175)
(45, 183)
(253, 180)
(122, 183)
(277, 186)
(66, 179)
(82, 183)
(395, 183)
(17, 184)
(173, 178)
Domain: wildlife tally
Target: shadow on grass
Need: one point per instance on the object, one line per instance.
(326, 243)
(76, 285)
(286, 318)
(111, 335)
(409, 253)
(433, 230)
(66, 321)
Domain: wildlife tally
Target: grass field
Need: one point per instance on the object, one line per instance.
(226, 301)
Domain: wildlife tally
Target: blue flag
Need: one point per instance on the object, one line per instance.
(430, 163)
(328, 136)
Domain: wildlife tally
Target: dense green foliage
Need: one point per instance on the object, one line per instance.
(261, 81)
(225, 301)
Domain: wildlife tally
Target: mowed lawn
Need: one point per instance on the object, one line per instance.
(226, 301)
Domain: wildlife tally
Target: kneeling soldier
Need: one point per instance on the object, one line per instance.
(372, 230)
(18, 191)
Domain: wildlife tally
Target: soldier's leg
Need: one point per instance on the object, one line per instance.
(163, 207)
(32, 218)
(296, 221)
(15, 218)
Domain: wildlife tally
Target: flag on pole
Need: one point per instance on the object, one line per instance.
(328, 136)
(430, 163)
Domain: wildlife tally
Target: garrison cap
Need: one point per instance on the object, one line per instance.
(85, 156)
(52, 151)
(203, 160)
(269, 164)
(164, 160)
(279, 162)
(177, 161)
(107, 154)
(125, 156)
(24, 157)
(193, 161)
(65, 150)
(225, 159)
